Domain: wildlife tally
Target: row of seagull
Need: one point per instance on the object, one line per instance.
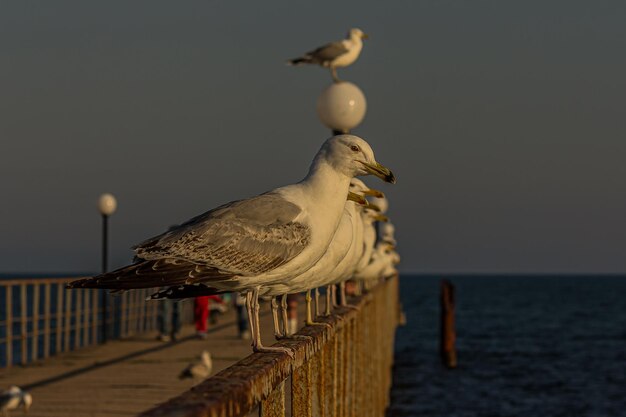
(292, 239)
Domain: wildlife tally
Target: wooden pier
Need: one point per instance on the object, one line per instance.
(340, 371)
(124, 377)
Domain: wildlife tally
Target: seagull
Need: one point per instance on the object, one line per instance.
(387, 234)
(369, 231)
(381, 202)
(243, 245)
(339, 260)
(13, 398)
(322, 272)
(335, 54)
(380, 265)
(199, 369)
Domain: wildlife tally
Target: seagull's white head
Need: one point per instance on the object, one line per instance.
(356, 33)
(388, 230)
(353, 156)
(387, 233)
(14, 390)
(381, 202)
(206, 358)
(359, 187)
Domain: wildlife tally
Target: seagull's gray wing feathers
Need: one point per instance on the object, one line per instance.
(322, 55)
(328, 52)
(152, 273)
(246, 237)
(178, 292)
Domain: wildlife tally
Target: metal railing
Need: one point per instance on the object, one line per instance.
(40, 318)
(342, 371)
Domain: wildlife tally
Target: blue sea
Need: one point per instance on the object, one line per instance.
(547, 346)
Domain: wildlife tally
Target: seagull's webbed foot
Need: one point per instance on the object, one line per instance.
(333, 72)
(338, 317)
(318, 323)
(273, 349)
(296, 337)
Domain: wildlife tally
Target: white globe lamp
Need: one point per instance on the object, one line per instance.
(107, 204)
(341, 107)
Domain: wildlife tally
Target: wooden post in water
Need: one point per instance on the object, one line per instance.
(448, 334)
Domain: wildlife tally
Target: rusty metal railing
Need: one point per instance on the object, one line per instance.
(40, 318)
(343, 371)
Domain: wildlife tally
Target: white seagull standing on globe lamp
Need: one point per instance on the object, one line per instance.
(335, 54)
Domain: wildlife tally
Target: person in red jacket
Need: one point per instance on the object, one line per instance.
(201, 313)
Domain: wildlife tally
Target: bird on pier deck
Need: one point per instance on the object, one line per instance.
(247, 244)
(335, 55)
(14, 398)
(200, 369)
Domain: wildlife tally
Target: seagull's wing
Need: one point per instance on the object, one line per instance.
(186, 373)
(178, 292)
(152, 273)
(246, 237)
(328, 52)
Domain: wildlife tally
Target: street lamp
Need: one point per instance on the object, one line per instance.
(106, 205)
(341, 107)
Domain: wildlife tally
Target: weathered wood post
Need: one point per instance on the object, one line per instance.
(448, 334)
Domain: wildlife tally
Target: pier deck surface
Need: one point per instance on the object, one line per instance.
(125, 377)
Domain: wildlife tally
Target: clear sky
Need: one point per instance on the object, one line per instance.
(503, 121)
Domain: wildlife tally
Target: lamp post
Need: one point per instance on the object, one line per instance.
(341, 107)
(106, 205)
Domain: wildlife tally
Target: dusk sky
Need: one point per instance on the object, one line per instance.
(503, 121)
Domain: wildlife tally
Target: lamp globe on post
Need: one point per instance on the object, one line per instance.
(341, 107)
(107, 204)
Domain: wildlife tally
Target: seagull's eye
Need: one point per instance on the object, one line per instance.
(355, 148)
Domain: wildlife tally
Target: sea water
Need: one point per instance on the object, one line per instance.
(527, 346)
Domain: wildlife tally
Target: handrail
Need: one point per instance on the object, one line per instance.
(340, 371)
(40, 318)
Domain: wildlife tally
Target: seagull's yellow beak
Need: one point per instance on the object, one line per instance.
(374, 193)
(365, 36)
(359, 199)
(381, 218)
(372, 206)
(380, 171)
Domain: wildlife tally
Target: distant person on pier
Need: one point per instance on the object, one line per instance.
(201, 313)
(168, 320)
(242, 316)
(218, 309)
